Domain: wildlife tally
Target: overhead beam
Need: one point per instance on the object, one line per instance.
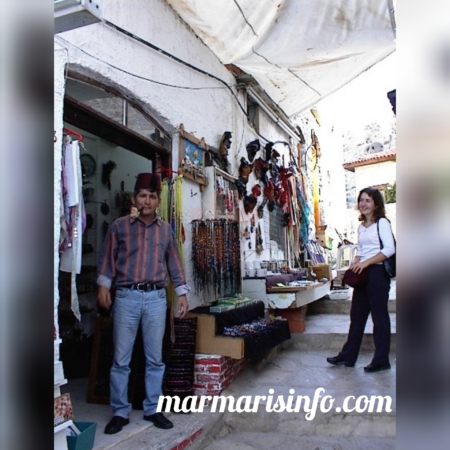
(86, 118)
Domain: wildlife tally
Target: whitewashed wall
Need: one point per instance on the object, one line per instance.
(99, 51)
(375, 174)
(372, 175)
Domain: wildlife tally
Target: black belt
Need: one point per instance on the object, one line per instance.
(144, 287)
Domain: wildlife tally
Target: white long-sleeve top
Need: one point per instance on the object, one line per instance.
(369, 244)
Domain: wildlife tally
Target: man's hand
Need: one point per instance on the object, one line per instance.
(104, 297)
(182, 306)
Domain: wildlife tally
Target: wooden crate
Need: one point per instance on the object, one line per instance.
(323, 271)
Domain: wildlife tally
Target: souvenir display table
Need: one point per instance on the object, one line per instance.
(277, 297)
(288, 302)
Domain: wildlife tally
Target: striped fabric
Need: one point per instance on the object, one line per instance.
(134, 252)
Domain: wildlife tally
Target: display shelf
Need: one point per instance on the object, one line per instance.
(60, 383)
(283, 297)
(211, 341)
(63, 426)
(292, 288)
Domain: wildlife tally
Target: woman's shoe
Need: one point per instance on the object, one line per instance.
(339, 361)
(376, 367)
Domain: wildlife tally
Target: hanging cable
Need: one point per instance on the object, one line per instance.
(173, 57)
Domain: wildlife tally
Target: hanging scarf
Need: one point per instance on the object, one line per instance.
(164, 205)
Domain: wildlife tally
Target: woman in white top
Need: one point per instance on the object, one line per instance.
(374, 295)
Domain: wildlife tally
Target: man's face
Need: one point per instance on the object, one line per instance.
(146, 202)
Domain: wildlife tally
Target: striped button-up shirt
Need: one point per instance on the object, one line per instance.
(134, 252)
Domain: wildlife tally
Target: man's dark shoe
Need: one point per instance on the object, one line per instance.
(339, 361)
(116, 424)
(159, 421)
(376, 367)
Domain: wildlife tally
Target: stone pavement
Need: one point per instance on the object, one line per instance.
(299, 364)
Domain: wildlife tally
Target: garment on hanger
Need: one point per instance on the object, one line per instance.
(74, 217)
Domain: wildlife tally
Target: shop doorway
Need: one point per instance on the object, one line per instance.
(118, 141)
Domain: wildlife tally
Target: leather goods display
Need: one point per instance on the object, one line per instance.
(390, 264)
(354, 279)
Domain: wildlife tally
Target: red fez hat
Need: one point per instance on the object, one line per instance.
(148, 181)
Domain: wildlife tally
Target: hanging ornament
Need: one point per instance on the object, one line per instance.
(253, 148)
(249, 203)
(245, 169)
(256, 190)
(252, 225)
(108, 167)
(229, 201)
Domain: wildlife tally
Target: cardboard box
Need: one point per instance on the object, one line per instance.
(323, 271)
(85, 440)
(324, 239)
(208, 342)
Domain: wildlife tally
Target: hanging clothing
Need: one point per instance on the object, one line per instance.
(74, 222)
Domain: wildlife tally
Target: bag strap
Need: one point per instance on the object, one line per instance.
(378, 231)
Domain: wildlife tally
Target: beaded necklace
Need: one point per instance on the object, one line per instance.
(216, 256)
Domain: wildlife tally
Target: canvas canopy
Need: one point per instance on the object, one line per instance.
(299, 51)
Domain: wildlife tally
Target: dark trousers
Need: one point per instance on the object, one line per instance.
(372, 298)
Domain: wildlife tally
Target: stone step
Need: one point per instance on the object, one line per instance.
(329, 332)
(269, 441)
(327, 306)
(188, 429)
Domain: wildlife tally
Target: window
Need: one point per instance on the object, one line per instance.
(118, 110)
(252, 113)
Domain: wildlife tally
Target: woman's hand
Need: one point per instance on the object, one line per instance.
(358, 267)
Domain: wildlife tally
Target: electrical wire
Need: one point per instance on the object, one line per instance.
(175, 58)
(136, 75)
(169, 55)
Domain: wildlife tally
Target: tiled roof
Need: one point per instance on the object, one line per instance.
(375, 158)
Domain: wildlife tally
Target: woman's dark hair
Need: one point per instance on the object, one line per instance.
(377, 198)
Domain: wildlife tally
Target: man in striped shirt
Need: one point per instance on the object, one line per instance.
(138, 257)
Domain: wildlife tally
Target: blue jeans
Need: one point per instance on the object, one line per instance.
(132, 307)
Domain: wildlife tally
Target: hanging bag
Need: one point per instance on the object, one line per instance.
(390, 263)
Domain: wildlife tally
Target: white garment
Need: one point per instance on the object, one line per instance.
(70, 260)
(369, 243)
(71, 256)
(72, 169)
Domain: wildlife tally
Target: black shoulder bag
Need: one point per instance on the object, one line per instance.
(389, 263)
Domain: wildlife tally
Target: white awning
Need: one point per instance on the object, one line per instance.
(299, 51)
